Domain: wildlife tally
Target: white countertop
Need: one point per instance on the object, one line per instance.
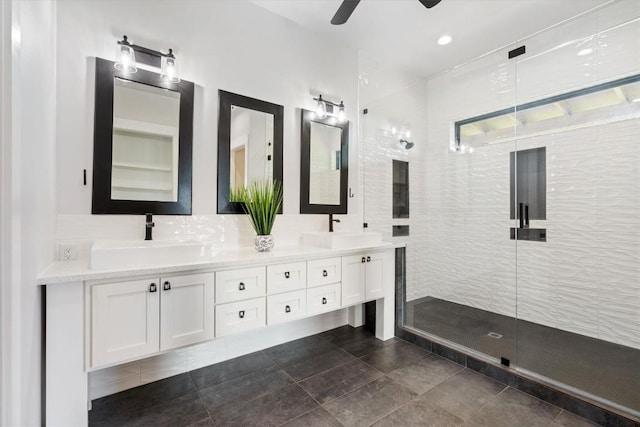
(77, 271)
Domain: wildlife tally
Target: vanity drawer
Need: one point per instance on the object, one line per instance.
(240, 316)
(324, 298)
(237, 285)
(287, 306)
(286, 277)
(324, 271)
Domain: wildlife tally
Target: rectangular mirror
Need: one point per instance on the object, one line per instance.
(324, 165)
(142, 143)
(249, 145)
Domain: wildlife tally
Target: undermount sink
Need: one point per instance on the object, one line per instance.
(341, 239)
(141, 253)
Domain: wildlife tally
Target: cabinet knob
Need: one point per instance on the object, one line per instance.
(364, 260)
(286, 275)
(368, 259)
(324, 273)
(241, 314)
(287, 309)
(166, 286)
(324, 300)
(241, 286)
(153, 288)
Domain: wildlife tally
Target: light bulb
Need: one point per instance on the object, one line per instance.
(169, 68)
(341, 116)
(321, 109)
(125, 57)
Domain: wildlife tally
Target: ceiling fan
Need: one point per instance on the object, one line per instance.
(348, 6)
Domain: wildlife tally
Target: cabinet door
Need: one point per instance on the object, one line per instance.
(380, 273)
(353, 279)
(286, 306)
(323, 298)
(125, 321)
(186, 308)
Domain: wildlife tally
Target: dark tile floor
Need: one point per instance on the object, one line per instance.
(599, 367)
(342, 377)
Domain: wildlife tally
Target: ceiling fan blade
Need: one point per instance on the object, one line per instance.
(429, 3)
(344, 12)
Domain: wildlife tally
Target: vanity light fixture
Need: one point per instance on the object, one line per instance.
(327, 108)
(127, 54)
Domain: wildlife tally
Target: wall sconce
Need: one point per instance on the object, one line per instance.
(326, 108)
(127, 54)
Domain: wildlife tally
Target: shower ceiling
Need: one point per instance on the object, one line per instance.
(405, 34)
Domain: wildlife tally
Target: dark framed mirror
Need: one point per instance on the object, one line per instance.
(142, 143)
(249, 146)
(324, 167)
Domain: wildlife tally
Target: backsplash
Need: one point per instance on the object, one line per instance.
(221, 231)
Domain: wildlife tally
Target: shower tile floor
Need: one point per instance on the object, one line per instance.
(601, 368)
(342, 377)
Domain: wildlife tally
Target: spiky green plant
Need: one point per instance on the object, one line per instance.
(262, 200)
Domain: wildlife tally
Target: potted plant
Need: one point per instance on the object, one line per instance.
(261, 201)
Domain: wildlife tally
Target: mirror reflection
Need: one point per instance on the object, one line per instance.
(324, 164)
(251, 146)
(324, 167)
(146, 123)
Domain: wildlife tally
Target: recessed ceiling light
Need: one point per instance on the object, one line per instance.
(585, 52)
(446, 39)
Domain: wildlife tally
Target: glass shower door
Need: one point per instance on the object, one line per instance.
(578, 288)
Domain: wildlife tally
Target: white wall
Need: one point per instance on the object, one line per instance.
(585, 278)
(230, 45)
(28, 203)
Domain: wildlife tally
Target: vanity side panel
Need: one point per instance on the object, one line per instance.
(66, 387)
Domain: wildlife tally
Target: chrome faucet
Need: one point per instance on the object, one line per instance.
(148, 226)
(331, 221)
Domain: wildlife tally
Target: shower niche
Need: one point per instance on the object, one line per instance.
(528, 189)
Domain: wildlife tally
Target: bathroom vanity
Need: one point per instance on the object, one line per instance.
(104, 317)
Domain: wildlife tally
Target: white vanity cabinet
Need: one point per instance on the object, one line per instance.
(100, 318)
(365, 275)
(141, 317)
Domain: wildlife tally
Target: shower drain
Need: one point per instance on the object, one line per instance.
(495, 335)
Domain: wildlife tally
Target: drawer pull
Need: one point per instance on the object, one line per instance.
(368, 259)
(324, 300)
(241, 314)
(153, 288)
(166, 286)
(364, 260)
(324, 273)
(287, 309)
(241, 286)
(286, 274)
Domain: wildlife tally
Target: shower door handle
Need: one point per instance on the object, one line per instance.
(526, 216)
(521, 214)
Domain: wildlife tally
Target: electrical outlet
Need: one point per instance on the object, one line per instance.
(67, 252)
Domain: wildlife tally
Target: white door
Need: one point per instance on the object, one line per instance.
(186, 310)
(125, 320)
(379, 274)
(353, 279)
